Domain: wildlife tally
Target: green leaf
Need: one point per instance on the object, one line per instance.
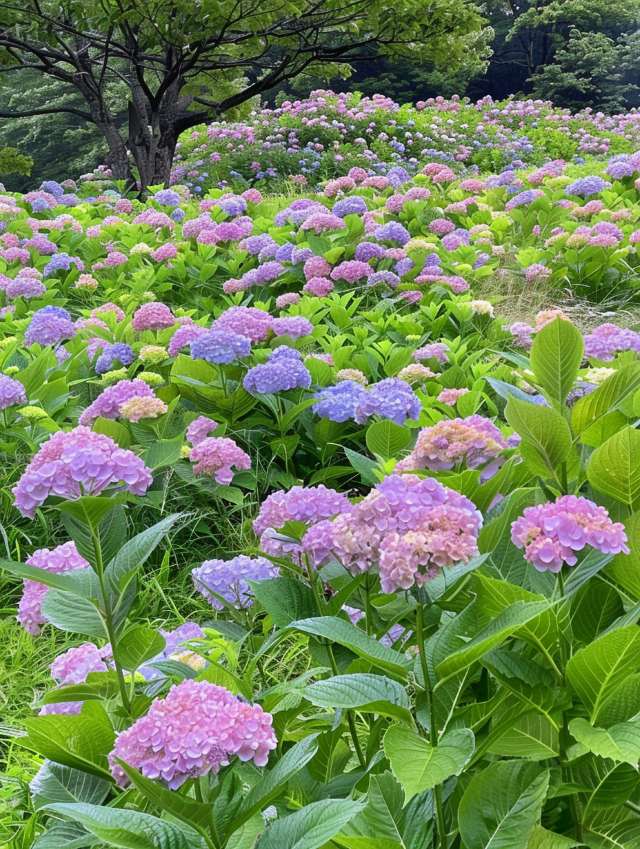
(57, 783)
(311, 827)
(125, 828)
(162, 454)
(370, 693)
(284, 599)
(542, 428)
(620, 743)
(65, 835)
(614, 468)
(90, 509)
(345, 633)
(269, 788)
(113, 429)
(364, 466)
(81, 742)
(606, 397)
(502, 805)
(387, 439)
(596, 670)
(73, 613)
(184, 808)
(418, 765)
(594, 609)
(543, 839)
(503, 626)
(134, 552)
(625, 568)
(556, 356)
(139, 644)
(57, 580)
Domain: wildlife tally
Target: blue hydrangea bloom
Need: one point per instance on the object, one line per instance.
(110, 353)
(390, 399)
(233, 206)
(167, 197)
(354, 205)
(393, 231)
(283, 370)
(220, 346)
(340, 402)
(585, 186)
(229, 579)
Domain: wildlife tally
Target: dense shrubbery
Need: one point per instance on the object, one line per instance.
(410, 526)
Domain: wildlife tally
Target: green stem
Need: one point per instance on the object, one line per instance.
(368, 618)
(433, 721)
(108, 622)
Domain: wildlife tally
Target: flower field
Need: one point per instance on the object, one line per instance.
(321, 487)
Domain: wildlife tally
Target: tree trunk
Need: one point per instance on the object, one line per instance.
(153, 135)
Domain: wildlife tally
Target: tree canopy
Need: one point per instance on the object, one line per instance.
(183, 62)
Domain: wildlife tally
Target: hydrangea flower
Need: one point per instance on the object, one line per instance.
(392, 399)
(253, 323)
(473, 440)
(12, 392)
(283, 370)
(551, 533)
(295, 326)
(184, 335)
(107, 404)
(215, 455)
(153, 316)
(64, 558)
(409, 527)
(119, 351)
(229, 579)
(138, 408)
(76, 463)
(192, 732)
(49, 326)
(220, 346)
(73, 667)
(199, 429)
(339, 403)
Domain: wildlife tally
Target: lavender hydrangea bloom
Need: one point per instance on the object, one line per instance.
(62, 262)
(295, 326)
(229, 579)
(585, 186)
(167, 197)
(339, 403)
(220, 346)
(353, 205)
(390, 399)
(283, 254)
(366, 251)
(119, 351)
(393, 231)
(283, 370)
(233, 206)
(12, 392)
(387, 277)
(49, 326)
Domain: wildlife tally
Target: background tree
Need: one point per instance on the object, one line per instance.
(183, 62)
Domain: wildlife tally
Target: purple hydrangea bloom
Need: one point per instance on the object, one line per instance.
(283, 370)
(255, 244)
(229, 579)
(61, 559)
(295, 326)
(339, 403)
(179, 636)
(366, 251)
(107, 404)
(62, 262)
(283, 254)
(393, 231)
(177, 214)
(299, 255)
(232, 206)
(220, 346)
(167, 197)
(353, 205)
(398, 176)
(585, 186)
(119, 351)
(12, 392)
(387, 277)
(49, 326)
(390, 399)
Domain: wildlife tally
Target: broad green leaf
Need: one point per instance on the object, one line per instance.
(625, 568)
(343, 632)
(162, 454)
(90, 509)
(70, 612)
(57, 783)
(387, 439)
(543, 839)
(125, 828)
(543, 428)
(370, 693)
(364, 466)
(137, 645)
(502, 805)
(532, 737)
(596, 670)
(606, 397)
(184, 808)
(58, 580)
(311, 827)
(555, 358)
(81, 742)
(285, 599)
(617, 829)
(418, 765)
(595, 607)
(614, 468)
(606, 783)
(113, 429)
(265, 791)
(620, 743)
(65, 835)
(134, 552)
(503, 626)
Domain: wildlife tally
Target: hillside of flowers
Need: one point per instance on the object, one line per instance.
(327, 552)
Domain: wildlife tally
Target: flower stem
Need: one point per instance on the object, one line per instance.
(433, 721)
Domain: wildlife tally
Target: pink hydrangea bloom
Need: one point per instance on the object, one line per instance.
(73, 666)
(137, 408)
(192, 732)
(61, 559)
(184, 335)
(153, 316)
(450, 396)
(199, 429)
(551, 533)
(351, 270)
(473, 440)
(253, 323)
(165, 252)
(287, 300)
(215, 456)
(321, 222)
(320, 287)
(316, 266)
(76, 463)
(108, 307)
(411, 527)
(436, 349)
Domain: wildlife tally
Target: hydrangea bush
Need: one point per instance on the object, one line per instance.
(407, 528)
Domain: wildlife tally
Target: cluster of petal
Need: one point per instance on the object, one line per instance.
(229, 579)
(61, 559)
(283, 370)
(215, 456)
(473, 440)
